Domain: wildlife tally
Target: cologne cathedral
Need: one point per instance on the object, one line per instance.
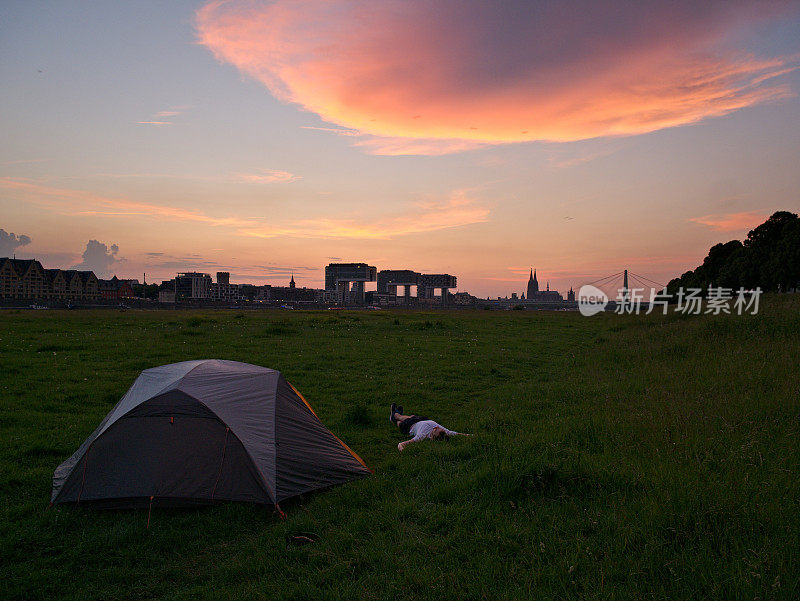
(547, 295)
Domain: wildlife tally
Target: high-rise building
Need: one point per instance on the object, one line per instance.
(192, 285)
(339, 276)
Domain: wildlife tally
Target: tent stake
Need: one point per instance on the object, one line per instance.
(149, 509)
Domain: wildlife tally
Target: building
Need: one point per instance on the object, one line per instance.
(27, 279)
(339, 277)
(293, 294)
(533, 286)
(463, 299)
(57, 283)
(426, 284)
(81, 285)
(115, 289)
(223, 290)
(541, 296)
(192, 286)
(74, 285)
(90, 285)
(389, 280)
(22, 278)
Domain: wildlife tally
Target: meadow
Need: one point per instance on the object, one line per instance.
(613, 457)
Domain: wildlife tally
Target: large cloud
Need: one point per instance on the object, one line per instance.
(432, 77)
(99, 258)
(9, 242)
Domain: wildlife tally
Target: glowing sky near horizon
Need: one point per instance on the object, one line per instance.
(472, 138)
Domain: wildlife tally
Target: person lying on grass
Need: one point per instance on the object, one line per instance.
(419, 427)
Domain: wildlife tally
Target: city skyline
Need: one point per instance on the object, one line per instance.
(17, 283)
(447, 138)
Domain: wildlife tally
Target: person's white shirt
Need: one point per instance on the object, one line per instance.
(423, 429)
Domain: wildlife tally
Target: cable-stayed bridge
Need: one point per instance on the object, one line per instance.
(618, 285)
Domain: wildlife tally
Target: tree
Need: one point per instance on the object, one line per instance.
(768, 258)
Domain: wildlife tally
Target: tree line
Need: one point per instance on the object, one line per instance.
(769, 258)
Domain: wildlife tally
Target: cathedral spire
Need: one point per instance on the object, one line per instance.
(533, 285)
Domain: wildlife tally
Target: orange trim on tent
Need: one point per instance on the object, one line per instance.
(302, 398)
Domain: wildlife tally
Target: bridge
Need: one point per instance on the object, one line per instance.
(620, 283)
(615, 286)
(389, 280)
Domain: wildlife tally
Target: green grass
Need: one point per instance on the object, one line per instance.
(613, 457)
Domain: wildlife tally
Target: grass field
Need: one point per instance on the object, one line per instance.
(613, 458)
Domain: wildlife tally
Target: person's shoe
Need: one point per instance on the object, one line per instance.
(393, 411)
(400, 410)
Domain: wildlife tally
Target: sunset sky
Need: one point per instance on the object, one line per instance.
(473, 138)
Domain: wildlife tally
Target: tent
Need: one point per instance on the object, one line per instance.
(198, 432)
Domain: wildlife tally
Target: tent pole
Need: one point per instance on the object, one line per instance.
(221, 463)
(83, 476)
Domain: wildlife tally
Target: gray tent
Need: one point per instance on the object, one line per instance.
(204, 431)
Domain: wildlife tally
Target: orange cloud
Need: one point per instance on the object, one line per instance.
(458, 210)
(387, 146)
(334, 130)
(396, 146)
(268, 176)
(172, 112)
(731, 222)
(559, 162)
(86, 203)
(430, 78)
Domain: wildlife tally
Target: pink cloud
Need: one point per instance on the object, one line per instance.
(268, 176)
(731, 222)
(429, 78)
(396, 146)
(456, 211)
(173, 111)
(558, 162)
(333, 130)
(72, 202)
